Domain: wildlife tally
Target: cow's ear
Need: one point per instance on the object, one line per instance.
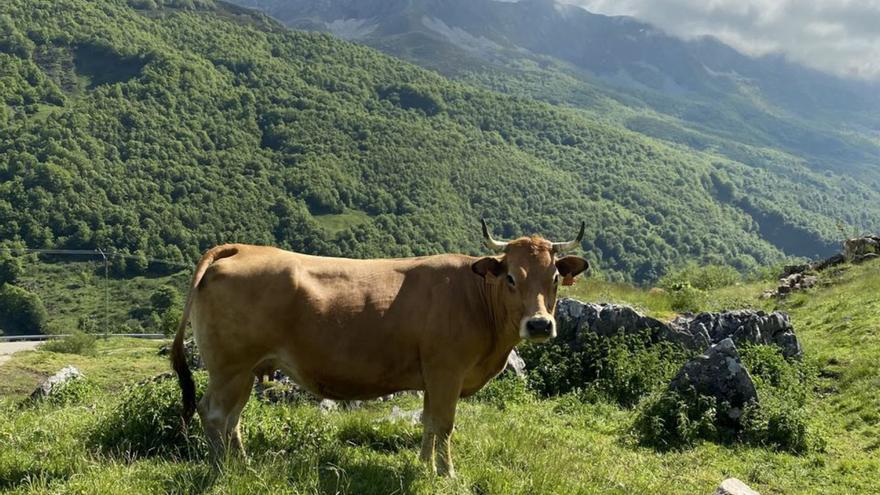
(487, 265)
(572, 266)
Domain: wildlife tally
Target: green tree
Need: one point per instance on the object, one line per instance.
(21, 311)
(165, 298)
(10, 267)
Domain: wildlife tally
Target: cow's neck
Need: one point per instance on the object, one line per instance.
(504, 331)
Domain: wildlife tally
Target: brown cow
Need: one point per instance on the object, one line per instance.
(360, 329)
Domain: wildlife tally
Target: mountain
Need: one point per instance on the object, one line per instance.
(700, 93)
(160, 128)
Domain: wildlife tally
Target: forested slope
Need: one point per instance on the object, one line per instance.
(166, 127)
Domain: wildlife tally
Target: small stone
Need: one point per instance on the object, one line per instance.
(733, 486)
(515, 365)
(327, 405)
(397, 414)
(55, 382)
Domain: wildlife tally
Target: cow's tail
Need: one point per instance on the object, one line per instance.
(178, 354)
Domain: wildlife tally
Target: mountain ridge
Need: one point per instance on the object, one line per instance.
(699, 85)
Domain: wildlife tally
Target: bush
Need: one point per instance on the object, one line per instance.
(73, 392)
(21, 311)
(785, 387)
(685, 297)
(671, 420)
(76, 343)
(279, 430)
(504, 390)
(674, 419)
(621, 368)
(10, 267)
(701, 277)
(166, 298)
(631, 368)
(147, 421)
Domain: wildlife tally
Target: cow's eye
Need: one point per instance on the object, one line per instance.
(510, 280)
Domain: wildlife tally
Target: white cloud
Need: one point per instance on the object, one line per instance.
(838, 36)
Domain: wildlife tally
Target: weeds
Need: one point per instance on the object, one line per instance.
(675, 419)
(76, 343)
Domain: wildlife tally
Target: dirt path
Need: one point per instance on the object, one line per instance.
(7, 349)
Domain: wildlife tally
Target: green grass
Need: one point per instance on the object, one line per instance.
(77, 290)
(334, 223)
(557, 445)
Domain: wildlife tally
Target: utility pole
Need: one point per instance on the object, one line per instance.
(106, 292)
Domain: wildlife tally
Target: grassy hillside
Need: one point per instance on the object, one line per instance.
(78, 296)
(161, 128)
(507, 441)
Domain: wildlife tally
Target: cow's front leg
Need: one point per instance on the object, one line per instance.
(438, 419)
(427, 452)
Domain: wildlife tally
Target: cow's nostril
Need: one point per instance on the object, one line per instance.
(539, 325)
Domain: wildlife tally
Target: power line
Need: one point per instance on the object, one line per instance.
(97, 253)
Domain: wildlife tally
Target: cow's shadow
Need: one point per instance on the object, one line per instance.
(366, 475)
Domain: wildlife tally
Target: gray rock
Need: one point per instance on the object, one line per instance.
(733, 486)
(756, 327)
(718, 373)
(835, 260)
(327, 405)
(865, 257)
(857, 247)
(515, 365)
(191, 350)
(55, 382)
(397, 414)
(574, 317)
(696, 332)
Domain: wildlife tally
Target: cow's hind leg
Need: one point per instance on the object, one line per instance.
(220, 410)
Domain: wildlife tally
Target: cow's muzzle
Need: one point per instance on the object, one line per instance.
(538, 328)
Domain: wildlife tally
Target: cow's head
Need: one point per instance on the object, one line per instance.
(527, 275)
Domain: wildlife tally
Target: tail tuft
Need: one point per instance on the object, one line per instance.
(184, 377)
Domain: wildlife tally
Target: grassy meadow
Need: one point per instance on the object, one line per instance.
(109, 435)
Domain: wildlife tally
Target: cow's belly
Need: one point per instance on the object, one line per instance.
(330, 372)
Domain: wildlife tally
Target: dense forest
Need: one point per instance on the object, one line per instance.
(161, 127)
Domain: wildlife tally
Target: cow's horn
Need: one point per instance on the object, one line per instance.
(489, 242)
(559, 247)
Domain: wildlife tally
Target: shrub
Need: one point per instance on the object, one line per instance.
(701, 277)
(785, 387)
(504, 390)
(76, 343)
(10, 267)
(631, 368)
(673, 419)
(685, 297)
(279, 430)
(21, 311)
(73, 392)
(166, 298)
(621, 368)
(146, 420)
